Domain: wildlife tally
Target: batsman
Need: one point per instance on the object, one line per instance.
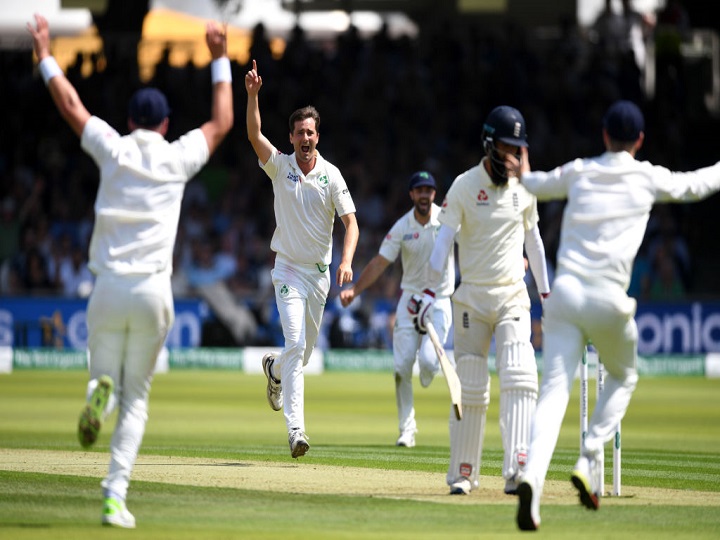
(492, 218)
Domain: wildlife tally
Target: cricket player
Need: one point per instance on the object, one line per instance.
(130, 310)
(492, 217)
(609, 199)
(308, 192)
(412, 237)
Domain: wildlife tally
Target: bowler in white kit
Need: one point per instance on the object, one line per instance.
(308, 191)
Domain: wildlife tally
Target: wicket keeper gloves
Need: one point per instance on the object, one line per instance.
(421, 307)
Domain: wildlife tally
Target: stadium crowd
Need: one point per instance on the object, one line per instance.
(389, 107)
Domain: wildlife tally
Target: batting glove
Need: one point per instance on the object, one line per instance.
(421, 308)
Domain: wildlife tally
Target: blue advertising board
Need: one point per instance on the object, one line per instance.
(687, 328)
(61, 323)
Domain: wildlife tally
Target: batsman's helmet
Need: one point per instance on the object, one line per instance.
(504, 124)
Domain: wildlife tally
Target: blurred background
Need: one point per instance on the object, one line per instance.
(401, 85)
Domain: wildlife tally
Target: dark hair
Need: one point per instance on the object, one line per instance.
(304, 113)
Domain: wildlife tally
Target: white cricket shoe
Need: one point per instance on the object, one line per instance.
(406, 439)
(528, 514)
(274, 388)
(298, 443)
(115, 514)
(582, 478)
(461, 486)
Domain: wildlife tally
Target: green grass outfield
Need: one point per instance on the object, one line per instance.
(215, 464)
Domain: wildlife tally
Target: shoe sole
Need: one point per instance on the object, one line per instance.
(300, 449)
(525, 521)
(587, 499)
(267, 359)
(117, 524)
(91, 417)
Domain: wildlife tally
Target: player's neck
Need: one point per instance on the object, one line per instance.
(307, 166)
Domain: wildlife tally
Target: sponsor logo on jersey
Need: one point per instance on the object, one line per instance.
(284, 290)
(411, 236)
(323, 180)
(482, 198)
(293, 177)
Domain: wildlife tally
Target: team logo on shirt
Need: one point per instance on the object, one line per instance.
(411, 236)
(293, 177)
(284, 290)
(323, 180)
(482, 198)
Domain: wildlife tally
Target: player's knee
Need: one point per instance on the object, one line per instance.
(473, 373)
(517, 368)
(294, 348)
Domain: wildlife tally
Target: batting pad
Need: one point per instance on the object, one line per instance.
(517, 371)
(466, 435)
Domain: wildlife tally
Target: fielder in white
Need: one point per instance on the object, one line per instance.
(130, 310)
(412, 237)
(308, 192)
(609, 198)
(494, 217)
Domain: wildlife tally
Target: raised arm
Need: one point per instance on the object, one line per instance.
(62, 91)
(262, 146)
(222, 115)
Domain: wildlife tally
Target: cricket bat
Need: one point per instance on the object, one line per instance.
(451, 377)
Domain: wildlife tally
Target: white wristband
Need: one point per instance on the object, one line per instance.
(220, 70)
(49, 68)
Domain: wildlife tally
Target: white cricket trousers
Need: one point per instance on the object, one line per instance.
(128, 320)
(301, 291)
(409, 346)
(577, 311)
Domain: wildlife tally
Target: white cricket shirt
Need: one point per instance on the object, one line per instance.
(492, 222)
(414, 243)
(142, 181)
(609, 198)
(305, 207)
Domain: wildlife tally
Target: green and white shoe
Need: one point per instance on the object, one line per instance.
(115, 514)
(93, 414)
